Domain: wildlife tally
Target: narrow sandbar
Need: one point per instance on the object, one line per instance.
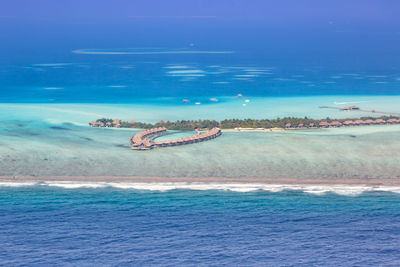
(206, 180)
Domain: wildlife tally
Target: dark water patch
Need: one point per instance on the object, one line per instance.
(122, 146)
(59, 128)
(12, 124)
(353, 136)
(19, 134)
(86, 138)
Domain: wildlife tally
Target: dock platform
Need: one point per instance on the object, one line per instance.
(145, 140)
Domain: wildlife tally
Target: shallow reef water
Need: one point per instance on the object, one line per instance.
(37, 147)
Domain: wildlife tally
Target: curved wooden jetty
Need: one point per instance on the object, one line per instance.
(145, 140)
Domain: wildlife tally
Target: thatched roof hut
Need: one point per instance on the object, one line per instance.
(324, 124)
(335, 124)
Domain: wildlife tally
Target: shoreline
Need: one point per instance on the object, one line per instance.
(204, 180)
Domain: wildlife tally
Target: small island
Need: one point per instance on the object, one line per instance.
(287, 123)
(210, 129)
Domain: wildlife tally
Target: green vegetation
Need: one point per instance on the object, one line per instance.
(104, 120)
(287, 122)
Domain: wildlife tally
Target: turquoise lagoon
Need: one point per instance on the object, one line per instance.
(54, 139)
(172, 108)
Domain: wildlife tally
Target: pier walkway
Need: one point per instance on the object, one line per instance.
(363, 110)
(145, 140)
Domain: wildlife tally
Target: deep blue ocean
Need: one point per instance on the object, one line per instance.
(129, 60)
(135, 78)
(107, 226)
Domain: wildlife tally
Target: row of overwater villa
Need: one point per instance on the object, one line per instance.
(334, 124)
(359, 122)
(145, 140)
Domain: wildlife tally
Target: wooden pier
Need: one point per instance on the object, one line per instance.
(145, 140)
(354, 108)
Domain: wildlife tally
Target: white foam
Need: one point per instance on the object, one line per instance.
(193, 71)
(348, 190)
(257, 69)
(17, 184)
(351, 74)
(246, 75)
(377, 76)
(221, 82)
(117, 86)
(306, 82)
(127, 67)
(187, 75)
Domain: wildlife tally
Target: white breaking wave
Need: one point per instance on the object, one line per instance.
(349, 190)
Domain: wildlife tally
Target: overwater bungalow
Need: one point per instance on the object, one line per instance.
(144, 140)
(335, 124)
(324, 124)
(96, 124)
(348, 123)
(392, 121)
(351, 108)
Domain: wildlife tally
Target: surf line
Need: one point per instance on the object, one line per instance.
(145, 140)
